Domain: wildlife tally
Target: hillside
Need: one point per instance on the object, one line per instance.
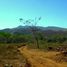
(26, 30)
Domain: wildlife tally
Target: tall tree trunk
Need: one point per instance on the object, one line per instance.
(35, 38)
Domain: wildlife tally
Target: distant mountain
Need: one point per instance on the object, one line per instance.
(26, 30)
(55, 28)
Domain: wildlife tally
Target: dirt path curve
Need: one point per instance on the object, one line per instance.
(37, 58)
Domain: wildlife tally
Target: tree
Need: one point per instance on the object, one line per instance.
(32, 24)
(4, 37)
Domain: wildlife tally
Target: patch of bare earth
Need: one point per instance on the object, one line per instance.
(37, 58)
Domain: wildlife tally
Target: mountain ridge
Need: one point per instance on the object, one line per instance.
(48, 27)
(26, 30)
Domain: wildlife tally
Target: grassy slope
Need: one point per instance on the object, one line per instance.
(10, 55)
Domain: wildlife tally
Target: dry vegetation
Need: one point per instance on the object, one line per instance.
(10, 56)
(20, 55)
(37, 58)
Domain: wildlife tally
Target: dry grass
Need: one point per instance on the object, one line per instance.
(10, 55)
(38, 58)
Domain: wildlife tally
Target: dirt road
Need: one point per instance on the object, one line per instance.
(38, 58)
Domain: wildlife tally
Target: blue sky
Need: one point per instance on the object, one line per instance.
(53, 12)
